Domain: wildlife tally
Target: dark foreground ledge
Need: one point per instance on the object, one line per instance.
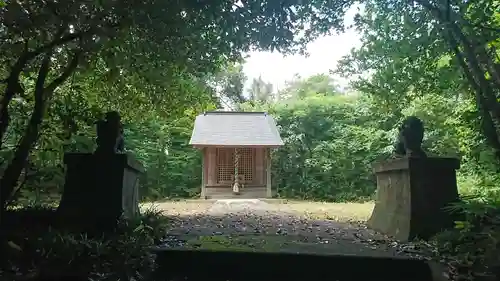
(258, 266)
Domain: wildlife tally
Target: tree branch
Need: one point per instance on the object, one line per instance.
(488, 125)
(27, 56)
(57, 42)
(451, 30)
(70, 68)
(42, 76)
(449, 18)
(13, 85)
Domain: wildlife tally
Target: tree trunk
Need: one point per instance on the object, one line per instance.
(13, 171)
(6, 183)
(487, 124)
(14, 86)
(42, 98)
(475, 62)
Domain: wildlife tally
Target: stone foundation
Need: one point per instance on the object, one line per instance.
(411, 194)
(100, 188)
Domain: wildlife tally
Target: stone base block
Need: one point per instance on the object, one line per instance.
(411, 195)
(100, 188)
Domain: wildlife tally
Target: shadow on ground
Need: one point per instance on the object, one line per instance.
(258, 226)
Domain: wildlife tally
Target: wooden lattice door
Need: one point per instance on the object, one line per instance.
(225, 165)
(246, 165)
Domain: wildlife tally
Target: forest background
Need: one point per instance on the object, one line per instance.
(332, 134)
(161, 63)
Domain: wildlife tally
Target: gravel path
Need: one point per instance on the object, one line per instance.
(255, 224)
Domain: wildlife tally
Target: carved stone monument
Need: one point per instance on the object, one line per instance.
(109, 134)
(410, 137)
(101, 186)
(413, 189)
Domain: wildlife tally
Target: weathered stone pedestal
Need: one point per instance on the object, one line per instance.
(411, 194)
(100, 188)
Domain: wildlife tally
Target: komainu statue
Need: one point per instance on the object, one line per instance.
(411, 134)
(110, 134)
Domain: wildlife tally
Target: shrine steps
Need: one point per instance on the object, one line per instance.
(253, 192)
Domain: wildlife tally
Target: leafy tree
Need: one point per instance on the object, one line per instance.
(327, 152)
(230, 83)
(173, 167)
(152, 43)
(260, 91)
(414, 62)
(302, 87)
(330, 143)
(332, 140)
(443, 47)
(439, 60)
(160, 63)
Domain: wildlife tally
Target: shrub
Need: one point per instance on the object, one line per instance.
(121, 255)
(472, 248)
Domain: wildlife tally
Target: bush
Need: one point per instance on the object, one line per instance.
(121, 255)
(472, 248)
(329, 149)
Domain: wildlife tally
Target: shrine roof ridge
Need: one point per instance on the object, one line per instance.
(235, 128)
(221, 112)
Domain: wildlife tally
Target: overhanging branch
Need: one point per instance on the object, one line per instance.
(72, 65)
(457, 37)
(42, 76)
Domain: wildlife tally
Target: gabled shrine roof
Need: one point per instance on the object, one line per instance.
(233, 128)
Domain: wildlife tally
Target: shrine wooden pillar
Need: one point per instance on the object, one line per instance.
(269, 192)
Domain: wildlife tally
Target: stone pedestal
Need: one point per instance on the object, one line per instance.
(411, 194)
(100, 188)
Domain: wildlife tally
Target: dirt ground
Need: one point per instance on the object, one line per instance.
(344, 212)
(278, 225)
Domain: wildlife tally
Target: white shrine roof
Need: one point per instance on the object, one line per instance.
(232, 128)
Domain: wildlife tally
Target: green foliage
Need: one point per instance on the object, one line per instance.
(229, 84)
(302, 87)
(439, 61)
(331, 140)
(173, 166)
(472, 247)
(123, 254)
(328, 149)
(69, 127)
(160, 63)
(408, 78)
(141, 58)
(260, 91)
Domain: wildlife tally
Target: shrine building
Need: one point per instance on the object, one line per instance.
(236, 149)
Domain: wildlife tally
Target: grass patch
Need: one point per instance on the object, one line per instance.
(342, 212)
(180, 207)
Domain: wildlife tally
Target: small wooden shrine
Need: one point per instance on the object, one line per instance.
(236, 149)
